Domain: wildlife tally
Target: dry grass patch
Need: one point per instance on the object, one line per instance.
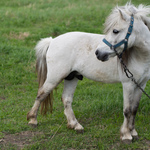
(18, 36)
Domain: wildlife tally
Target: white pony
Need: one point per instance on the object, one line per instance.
(71, 56)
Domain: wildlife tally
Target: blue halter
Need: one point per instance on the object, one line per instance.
(124, 41)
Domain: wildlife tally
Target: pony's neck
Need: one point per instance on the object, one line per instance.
(140, 52)
(142, 44)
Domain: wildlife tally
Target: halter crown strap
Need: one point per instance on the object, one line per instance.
(124, 41)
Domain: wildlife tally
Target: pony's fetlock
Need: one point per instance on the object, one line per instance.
(29, 116)
(32, 118)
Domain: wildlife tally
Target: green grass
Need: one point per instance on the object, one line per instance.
(97, 106)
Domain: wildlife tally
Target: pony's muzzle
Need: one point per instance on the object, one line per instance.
(103, 56)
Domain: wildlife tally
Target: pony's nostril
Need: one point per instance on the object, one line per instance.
(101, 56)
(96, 53)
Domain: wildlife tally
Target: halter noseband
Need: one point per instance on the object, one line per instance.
(124, 41)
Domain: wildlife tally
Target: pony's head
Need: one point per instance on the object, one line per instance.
(119, 34)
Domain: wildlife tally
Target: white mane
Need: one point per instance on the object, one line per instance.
(115, 17)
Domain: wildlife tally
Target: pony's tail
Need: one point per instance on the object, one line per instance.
(41, 68)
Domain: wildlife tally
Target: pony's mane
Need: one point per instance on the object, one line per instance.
(115, 17)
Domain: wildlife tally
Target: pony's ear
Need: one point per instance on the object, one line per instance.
(146, 20)
(123, 15)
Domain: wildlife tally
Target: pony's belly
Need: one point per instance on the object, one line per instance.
(103, 77)
(96, 70)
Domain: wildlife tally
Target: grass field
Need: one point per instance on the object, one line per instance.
(97, 106)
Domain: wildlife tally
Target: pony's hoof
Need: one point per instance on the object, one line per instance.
(79, 128)
(127, 141)
(135, 137)
(80, 131)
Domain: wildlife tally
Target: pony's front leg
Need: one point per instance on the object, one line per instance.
(131, 104)
(128, 94)
(67, 98)
(134, 108)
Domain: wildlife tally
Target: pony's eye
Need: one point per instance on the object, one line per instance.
(115, 31)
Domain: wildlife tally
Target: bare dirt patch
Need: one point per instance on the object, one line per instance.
(2, 98)
(19, 140)
(145, 144)
(18, 36)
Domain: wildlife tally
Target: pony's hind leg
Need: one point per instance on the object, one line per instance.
(67, 98)
(43, 92)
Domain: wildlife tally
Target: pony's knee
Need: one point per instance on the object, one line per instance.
(134, 109)
(127, 112)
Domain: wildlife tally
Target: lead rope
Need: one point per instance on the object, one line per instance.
(129, 74)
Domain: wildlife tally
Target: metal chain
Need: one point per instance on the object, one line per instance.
(129, 74)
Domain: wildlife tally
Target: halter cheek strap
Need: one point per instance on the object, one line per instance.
(124, 41)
